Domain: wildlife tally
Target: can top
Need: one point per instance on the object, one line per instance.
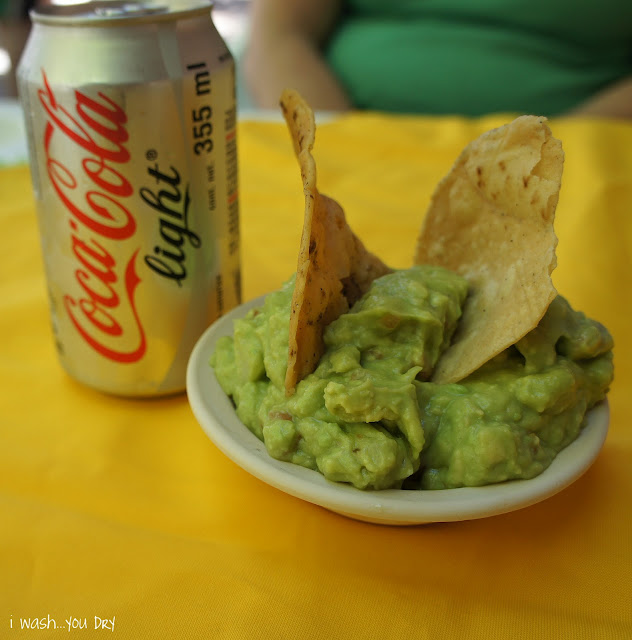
(116, 12)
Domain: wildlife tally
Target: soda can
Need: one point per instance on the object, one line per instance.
(131, 120)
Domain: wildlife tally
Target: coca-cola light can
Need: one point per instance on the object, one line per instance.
(131, 120)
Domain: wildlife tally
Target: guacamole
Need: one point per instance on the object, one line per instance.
(369, 414)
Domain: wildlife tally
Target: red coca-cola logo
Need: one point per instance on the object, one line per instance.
(104, 312)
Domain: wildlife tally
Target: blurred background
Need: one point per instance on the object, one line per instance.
(230, 16)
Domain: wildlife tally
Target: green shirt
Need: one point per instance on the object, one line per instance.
(476, 57)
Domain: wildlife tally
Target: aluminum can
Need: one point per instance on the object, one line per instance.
(131, 121)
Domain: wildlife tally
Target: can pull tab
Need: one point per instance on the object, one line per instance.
(129, 9)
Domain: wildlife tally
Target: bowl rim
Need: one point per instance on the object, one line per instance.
(215, 413)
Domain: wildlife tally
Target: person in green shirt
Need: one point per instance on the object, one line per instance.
(445, 56)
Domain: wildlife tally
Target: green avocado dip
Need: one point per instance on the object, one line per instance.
(369, 415)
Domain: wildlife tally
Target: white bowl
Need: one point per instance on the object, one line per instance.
(216, 415)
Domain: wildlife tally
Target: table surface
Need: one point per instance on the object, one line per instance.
(122, 510)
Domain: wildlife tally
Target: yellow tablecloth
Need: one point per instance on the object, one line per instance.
(114, 509)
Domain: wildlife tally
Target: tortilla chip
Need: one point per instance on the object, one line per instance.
(491, 220)
(334, 269)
